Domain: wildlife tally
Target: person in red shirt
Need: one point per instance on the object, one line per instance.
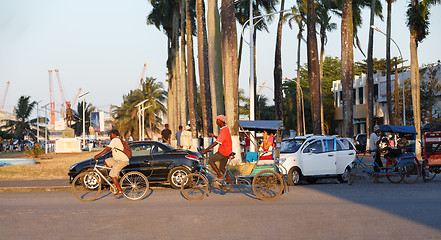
(224, 150)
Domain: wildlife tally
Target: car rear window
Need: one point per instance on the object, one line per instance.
(343, 144)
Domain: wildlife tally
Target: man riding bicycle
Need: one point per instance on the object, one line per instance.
(118, 160)
(225, 148)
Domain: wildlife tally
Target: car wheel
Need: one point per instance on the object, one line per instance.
(177, 176)
(294, 176)
(343, 178)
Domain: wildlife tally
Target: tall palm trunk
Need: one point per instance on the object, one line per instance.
(370, 76)
(229, 58)
(203, 69)
(298, 88)
(347, 67)
(278, 94)
(215, 61)
(174, 106)
(322, 54)
(388, 70)
(313, 68)
(182, 87)
(415, 83)
(191, 81)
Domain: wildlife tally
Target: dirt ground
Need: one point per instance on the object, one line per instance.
(49, 166)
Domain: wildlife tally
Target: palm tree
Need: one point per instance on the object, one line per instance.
(79, 118)
(278, 94)
(313, 68)
(388, 70)
(22, 126)
(418, 22)
(126, 116)
(191, 81)
(229, 60)
(204, 79)
(347, 68)
(215, 61)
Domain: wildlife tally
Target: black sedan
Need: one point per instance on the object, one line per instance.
(157, 161)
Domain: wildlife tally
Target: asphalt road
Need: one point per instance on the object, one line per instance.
(320, 211)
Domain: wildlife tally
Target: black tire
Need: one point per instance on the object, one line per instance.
(344, 177)
(134, 185)
(394, 175)
(177, 176)
(86, 186)
(294, 176)
(353, 174)
(195, 187)
(268, 185)
(428, 175)
(409, 171)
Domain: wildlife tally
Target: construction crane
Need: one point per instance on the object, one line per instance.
(63, 98)
(142, 76)
(51, 91)
(76, 98)
(4, 95)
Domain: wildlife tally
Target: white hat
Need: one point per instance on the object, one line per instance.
(187, 127)
(376, 128)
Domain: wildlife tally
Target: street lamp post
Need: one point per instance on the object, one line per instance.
(402, 69)
(141, 121)
(84, 119)
(303, 105)
(45, 127)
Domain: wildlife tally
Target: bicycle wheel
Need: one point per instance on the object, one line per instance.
(393, 173)
(195, 187)
(268, 185)
(409, 171)
(86, 186)
(353, 174)
(134, 185)
(427, 174)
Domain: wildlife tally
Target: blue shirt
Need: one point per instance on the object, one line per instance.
(178, 137)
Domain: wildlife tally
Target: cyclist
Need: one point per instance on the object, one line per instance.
(225, 148)
(118, 160)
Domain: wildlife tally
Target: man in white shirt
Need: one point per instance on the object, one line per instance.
(374, 149)
(186, 138)
(118, 160)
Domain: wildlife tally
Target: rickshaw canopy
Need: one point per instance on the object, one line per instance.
(261, 125)
(398, 129)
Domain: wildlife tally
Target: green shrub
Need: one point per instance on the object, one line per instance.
(34, 152)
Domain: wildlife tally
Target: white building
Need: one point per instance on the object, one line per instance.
(380, 101)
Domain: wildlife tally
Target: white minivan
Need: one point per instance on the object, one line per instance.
(316, 157)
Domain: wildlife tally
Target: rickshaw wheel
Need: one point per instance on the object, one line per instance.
(195, 187)
(268, 185)
(409, 171)
(428, 175)
(395, 174)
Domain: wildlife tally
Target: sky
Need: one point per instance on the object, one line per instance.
(102, 45)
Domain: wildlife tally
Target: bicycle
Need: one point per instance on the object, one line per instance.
(266, 184)
(406, 170)
(87, 185)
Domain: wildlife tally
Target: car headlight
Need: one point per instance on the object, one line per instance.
(72, 167)
(282, 160)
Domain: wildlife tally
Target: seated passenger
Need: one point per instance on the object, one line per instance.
(393, 152)
(267, 145)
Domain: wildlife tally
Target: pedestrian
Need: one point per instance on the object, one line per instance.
(224, 150)
(375, 150)
(165, 134)
(178, 137)
(118, 160)
(186, 138)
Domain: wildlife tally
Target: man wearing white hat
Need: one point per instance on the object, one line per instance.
(374, 149)
(186, 139)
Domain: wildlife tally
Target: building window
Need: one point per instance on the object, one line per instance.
(375, 92)
(354, 92)
(360, 95)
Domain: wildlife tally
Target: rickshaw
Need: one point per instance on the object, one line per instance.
(431, 156)
(406, 167)
(262, 176)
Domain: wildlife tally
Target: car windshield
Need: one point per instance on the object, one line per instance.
(291, 146)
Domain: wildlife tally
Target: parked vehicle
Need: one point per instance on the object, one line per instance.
(157, 161)
(317, 157)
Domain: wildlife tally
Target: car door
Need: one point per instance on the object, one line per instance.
(316, 160)
(345, 154)
(141, 159)
(161, 161)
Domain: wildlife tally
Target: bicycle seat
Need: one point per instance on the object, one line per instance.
(232, 154)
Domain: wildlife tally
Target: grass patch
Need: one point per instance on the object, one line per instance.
(49, 166)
